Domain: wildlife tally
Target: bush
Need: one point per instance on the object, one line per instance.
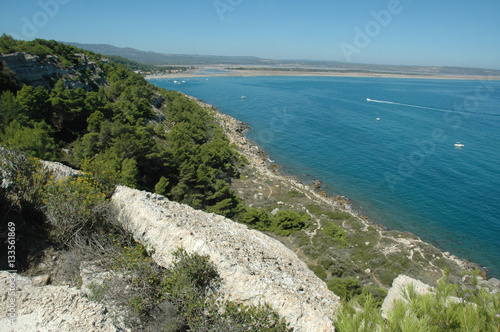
(36, 141)
(346, 288)
(334, 232)
(72, 207)
(314, 209)
(256, 218)
(190, 284)
(337, 215)
(287, 221)
(319, 271)
(476, 311)
(295, 194)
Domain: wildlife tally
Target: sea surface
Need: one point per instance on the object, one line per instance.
(403, 170)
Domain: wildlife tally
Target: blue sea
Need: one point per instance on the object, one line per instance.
(402, 170)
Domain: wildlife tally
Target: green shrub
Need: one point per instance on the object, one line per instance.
(314, 209)
(256, 218)
(161, 186)
(72, 207)
(346, 288)
(333, 231)
(287, 221)
(435, 311)
(337, 215)
(295, 194)
(189, 284)
(36, 141)
(319, 271)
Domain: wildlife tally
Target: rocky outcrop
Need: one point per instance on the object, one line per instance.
(49, 308)
(253, 267)
(46, 71)
(399, 285)
(60, 171)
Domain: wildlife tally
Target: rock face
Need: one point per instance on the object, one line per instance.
(396, 291)
(253, 267)
(45, 72)
(50, 308)
(59, 170)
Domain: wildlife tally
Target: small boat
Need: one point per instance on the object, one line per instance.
(378, 116)
(243, 97)
(368, 99)
(459, 145)
(378, 119)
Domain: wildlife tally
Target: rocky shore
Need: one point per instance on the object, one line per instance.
(430, 262)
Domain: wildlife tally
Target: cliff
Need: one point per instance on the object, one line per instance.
(46, 71)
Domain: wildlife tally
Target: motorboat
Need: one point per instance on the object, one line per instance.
(459, 145)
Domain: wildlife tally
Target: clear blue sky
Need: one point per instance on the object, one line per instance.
(419, 32)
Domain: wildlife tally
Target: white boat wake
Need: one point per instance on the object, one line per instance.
(424, 107)
(407, 105)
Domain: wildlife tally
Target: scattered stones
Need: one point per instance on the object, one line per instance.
(51, 308)
(41, 280)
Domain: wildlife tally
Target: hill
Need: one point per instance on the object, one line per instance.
(152, 58)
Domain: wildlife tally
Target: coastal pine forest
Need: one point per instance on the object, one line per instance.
(119, 129)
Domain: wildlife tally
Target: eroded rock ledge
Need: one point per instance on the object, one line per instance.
(254, 268)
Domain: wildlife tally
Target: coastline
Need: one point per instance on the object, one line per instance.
(261, 72)
(389, 241)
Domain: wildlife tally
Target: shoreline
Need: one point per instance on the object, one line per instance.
(406, 242)
(305, 73)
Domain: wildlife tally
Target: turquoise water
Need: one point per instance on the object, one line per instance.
(402, 171)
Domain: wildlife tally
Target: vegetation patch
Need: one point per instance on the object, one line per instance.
(437, 311)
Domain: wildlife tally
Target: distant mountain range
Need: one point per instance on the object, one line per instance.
(153, 58)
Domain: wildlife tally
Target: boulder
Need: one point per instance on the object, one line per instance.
(396, 291)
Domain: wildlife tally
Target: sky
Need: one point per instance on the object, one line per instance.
(461, 33)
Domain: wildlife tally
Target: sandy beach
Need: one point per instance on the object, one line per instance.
(220, 71)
